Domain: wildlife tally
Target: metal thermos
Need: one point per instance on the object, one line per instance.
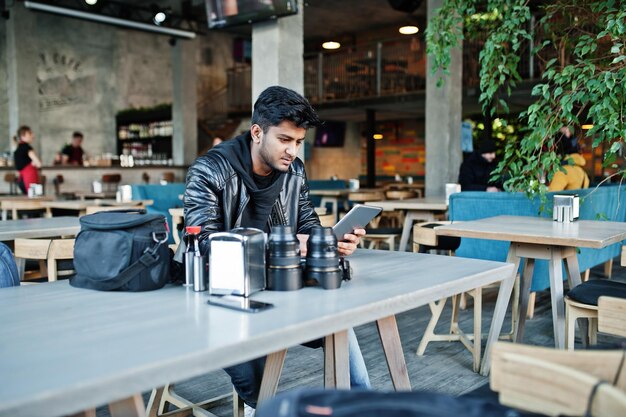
(199, 273)
(191, 252)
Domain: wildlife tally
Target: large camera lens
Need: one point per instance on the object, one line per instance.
(283, 260)
(322, 258)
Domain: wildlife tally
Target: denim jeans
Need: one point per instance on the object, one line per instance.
(246, 377)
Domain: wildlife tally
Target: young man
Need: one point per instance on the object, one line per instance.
(256, 180)
(72, 154)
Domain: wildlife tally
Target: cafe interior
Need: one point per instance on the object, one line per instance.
(112, 304)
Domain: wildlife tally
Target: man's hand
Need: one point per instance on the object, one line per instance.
(350, 241)
(302, 239)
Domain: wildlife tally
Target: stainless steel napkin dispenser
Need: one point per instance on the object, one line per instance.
(237, 262)
(566, 208)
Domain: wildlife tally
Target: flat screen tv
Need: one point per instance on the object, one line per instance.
(330, 134)
(224, 13)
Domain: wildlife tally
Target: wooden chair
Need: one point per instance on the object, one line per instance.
(425, 239)
(328, 220)
(168, 177)
(11, 179)
(161, 397)
(396, 217)
(525, 376)
(47, 251)
(29, 205)
(177, 222)
(375, 235)
(582, 303)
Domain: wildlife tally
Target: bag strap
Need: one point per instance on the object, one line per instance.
(146, 261)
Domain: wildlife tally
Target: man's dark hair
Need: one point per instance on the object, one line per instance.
(77, 134)
(277, 104)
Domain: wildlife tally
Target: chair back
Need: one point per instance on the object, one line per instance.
(526, 380)
(328, 220)
(612, 315)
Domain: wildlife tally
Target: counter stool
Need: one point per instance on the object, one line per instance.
(12, 180)
(47, 251)
(110, 182)
(581, 302)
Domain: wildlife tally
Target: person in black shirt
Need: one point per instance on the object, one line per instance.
(26, 160)
(72, 154)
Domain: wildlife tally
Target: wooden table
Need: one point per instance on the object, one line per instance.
(89, 195)
(540, 238)
(38, 228)
(416, 209)
(21, 202)
(81, 205)
(100, 347)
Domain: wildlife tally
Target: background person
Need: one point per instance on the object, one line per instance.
(72, 153)
(256, 180)
(26, 161)
(573, 175)
(475, 172)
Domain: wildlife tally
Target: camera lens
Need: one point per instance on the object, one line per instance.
(322, 259)
(283, 264)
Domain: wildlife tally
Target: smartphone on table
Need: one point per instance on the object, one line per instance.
(357, 218)
(236, 302)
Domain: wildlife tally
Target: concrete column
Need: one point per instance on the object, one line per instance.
(443, 121)
(277, 53)
(21, 58)
(184, 106)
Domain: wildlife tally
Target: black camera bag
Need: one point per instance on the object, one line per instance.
(123, 250)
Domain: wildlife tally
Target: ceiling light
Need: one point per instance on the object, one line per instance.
(377, 136)
(587, 127)
(331, 45)
(109, 20)
(159, 18)
(91, 2)
(408, 30)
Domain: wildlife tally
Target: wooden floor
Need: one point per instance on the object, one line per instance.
(446, 367)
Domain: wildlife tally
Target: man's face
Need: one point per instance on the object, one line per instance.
(77, 141)
(489, 156)
(278, 147)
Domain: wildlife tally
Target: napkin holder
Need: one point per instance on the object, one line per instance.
(237, 262)
(566, 208)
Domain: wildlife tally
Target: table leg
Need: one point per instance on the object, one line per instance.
(526, 280)
(556, 294)
(573, 279)
(410, 217)
(329, 362)
(342, 360)
(128, 407)
(390, 338)
(271, 374)
(504, 295)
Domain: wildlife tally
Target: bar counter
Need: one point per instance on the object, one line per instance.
(78, 178)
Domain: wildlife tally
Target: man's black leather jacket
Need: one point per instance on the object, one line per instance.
(215, 198)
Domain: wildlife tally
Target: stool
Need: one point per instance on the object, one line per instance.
(48, 250)
(581, 302)
(110, 182)
(12, 180)
(167, 177)
(379, 235)
(160, 397)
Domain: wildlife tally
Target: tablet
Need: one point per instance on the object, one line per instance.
(357, 218)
